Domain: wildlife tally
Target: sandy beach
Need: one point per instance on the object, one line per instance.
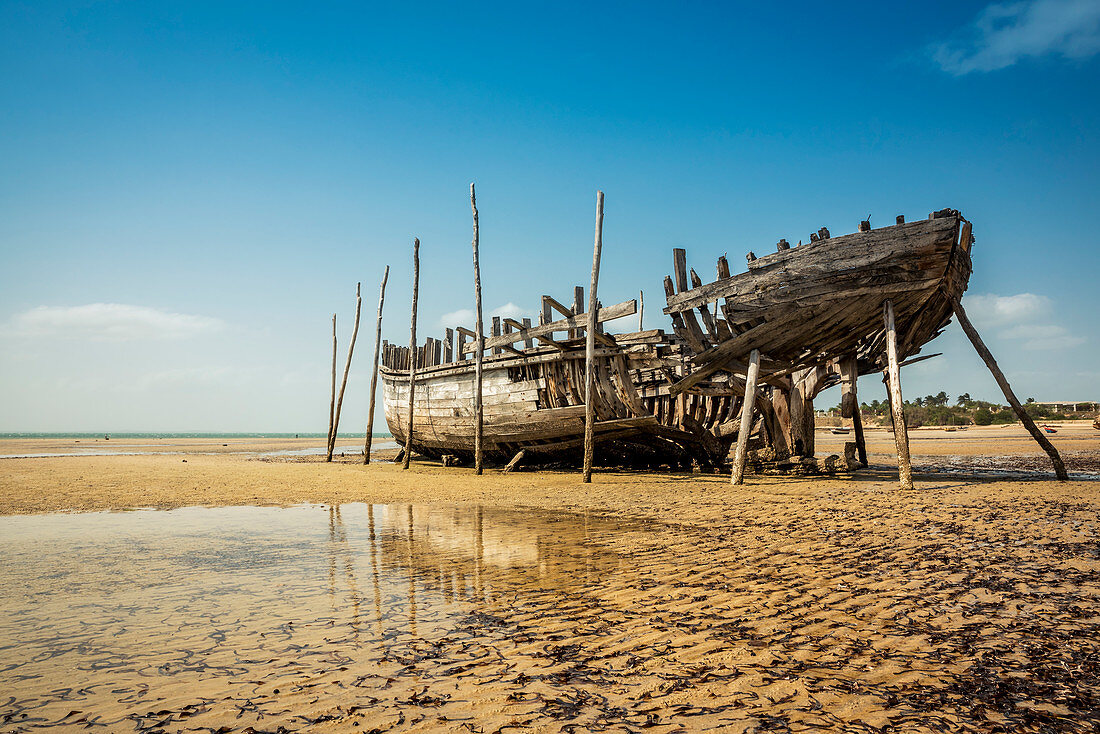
(286, 592)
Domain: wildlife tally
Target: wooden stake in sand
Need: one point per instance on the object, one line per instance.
(347, 368)
(479, 347)
(412, 352)
(332, 400)
(374, 373)
(1002, 381)
(737, 475)
(590, 346)
(897, 405)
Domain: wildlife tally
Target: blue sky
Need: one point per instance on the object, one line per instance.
(190, 190)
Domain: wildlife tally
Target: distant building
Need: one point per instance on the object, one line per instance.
(1086, 406)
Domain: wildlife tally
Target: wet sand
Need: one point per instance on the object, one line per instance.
(531, 602)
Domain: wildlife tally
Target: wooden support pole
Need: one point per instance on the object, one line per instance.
(641, 309)
(479, 348)
(590, 346)
(347, 368)
(737, 475)
(897, 404)
(412, 352)
(496, 332)
(528, 343)
(374, 372)
(332, 400)
(849, 403)
(1002, 382)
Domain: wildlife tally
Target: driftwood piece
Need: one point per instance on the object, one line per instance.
(737, 475)
(1002, 382)
(412, 351)
(511, 465)
(590, 345)
(897, 405)
(347, 368)
(332, 399)
(374, 371)
(479, 349)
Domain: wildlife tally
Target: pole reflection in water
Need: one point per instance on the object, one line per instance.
(204, 614)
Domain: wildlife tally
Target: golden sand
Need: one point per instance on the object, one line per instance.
(532, 602)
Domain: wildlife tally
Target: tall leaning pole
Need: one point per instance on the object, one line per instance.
(590, 346)
(374, 373)
(479, 344)
(412, 352)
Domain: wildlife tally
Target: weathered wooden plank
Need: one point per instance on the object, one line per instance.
(837, 257)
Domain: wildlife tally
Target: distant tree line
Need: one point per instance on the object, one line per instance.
(937, 410)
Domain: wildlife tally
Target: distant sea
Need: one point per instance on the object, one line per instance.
(186, 435)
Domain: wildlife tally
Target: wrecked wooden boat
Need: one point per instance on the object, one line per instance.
(533, 394)
(814, 315)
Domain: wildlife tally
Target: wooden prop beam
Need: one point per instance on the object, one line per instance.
(412, 352)
(897, 404)
(374, 372)
(1002, 382)
(479, 349)
(737, 475)
(590, 346)
(347, 368)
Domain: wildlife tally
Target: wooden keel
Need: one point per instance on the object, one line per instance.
(1002, 381)
(412, 352)
(374, 371)
(590, 346)
(737, 475)
(897, 405)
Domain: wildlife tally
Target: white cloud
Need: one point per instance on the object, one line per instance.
(508, 311)
(1004, 33)
(1025, 317)
(109, 322)
(993, 310)
(461, 317)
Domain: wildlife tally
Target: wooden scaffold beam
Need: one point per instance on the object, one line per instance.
(374, 372)
(1002, 382)
(412, 353)
(590, 346)
(897, 405)
(479, 348)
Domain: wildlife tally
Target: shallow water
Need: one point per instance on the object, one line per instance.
(429, 618)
